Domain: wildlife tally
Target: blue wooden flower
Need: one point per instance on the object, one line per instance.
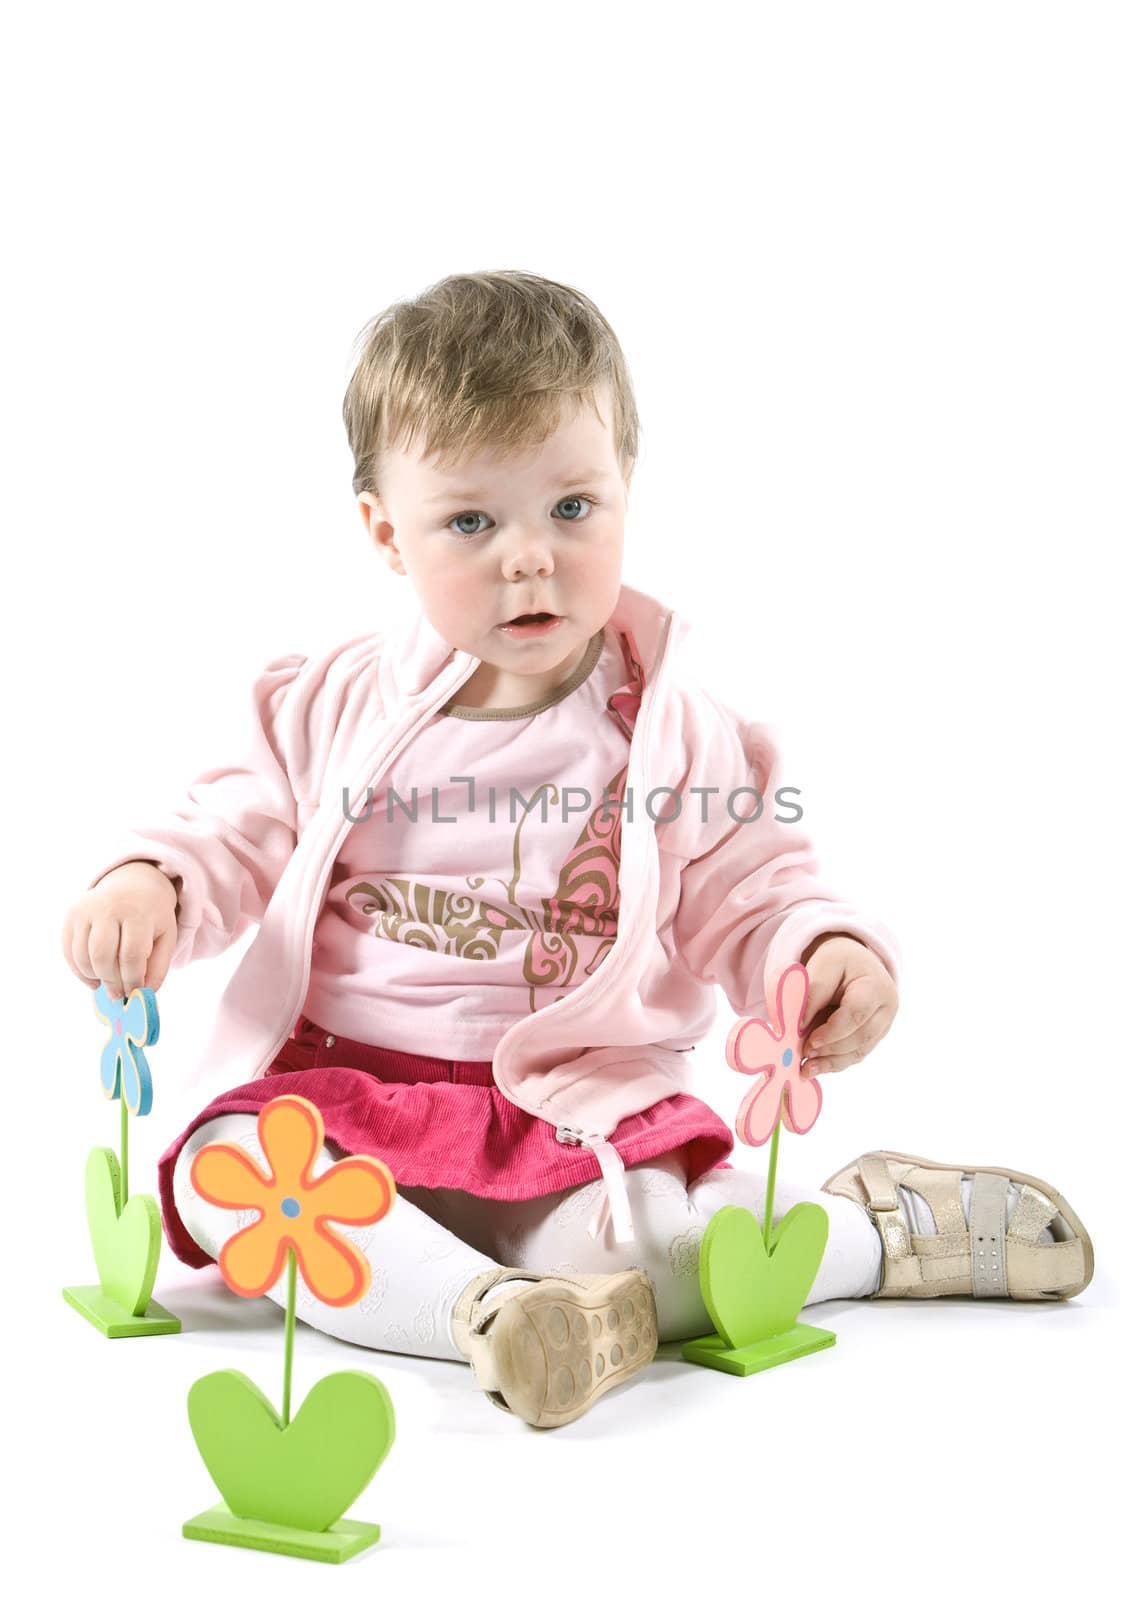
(133, 1022)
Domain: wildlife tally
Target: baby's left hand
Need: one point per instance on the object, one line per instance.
(853, 997)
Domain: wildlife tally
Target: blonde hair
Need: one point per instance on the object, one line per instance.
(481, 361)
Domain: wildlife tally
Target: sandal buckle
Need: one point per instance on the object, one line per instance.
(881, 1191)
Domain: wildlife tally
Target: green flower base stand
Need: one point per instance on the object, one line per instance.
(110, 1318)
(753, 1293)
(287, 1484)
(340, 1542)
(127, 1241)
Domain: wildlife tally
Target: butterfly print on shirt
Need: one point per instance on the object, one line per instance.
(582, 909)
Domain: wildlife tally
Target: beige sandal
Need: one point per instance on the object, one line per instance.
(983, 1257)
(547, 1347)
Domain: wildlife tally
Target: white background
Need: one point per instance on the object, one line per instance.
(873, 268)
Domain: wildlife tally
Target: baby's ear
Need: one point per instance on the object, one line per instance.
(380, 531)
(369, 510)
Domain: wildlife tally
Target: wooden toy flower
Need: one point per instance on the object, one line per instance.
(774, 1054)
(286, 1483)
(296, 1207)
(125, 1228)
(753, 1281)
(133, 1022)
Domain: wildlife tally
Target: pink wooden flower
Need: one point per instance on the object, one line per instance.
(754, 1047)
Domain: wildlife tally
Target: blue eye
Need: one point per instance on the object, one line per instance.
(465, 516)
(579, 500)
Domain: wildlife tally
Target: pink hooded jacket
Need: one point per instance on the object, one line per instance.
(702, 902)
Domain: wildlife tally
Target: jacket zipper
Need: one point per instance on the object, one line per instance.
(611, 967)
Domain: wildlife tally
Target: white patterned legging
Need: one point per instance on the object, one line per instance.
(433, 1241)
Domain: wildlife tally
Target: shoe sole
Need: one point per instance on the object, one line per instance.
(1064, 1209)
(559, 1347)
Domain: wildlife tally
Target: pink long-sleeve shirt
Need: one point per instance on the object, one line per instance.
(479, 881)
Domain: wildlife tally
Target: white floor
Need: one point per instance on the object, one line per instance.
(941, 1447)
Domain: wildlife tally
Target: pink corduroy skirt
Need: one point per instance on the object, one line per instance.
(441, 1124)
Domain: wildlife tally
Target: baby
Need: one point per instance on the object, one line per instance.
(512, 828)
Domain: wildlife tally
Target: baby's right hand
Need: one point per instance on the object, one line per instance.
(123, 931)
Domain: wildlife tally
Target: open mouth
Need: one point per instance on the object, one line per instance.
(531, 622)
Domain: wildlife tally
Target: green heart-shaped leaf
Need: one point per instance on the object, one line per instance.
(127, 1244)
(305, 1475)
(749, 1294)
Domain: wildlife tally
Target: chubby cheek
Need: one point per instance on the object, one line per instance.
(445, 590)
(598, 564)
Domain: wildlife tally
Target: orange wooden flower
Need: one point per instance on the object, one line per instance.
(296, 1207)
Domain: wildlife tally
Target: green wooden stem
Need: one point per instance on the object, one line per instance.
(772, 1163)
(290, 1328)
(122, 1146)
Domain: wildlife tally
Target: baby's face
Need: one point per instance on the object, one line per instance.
(494, 538)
